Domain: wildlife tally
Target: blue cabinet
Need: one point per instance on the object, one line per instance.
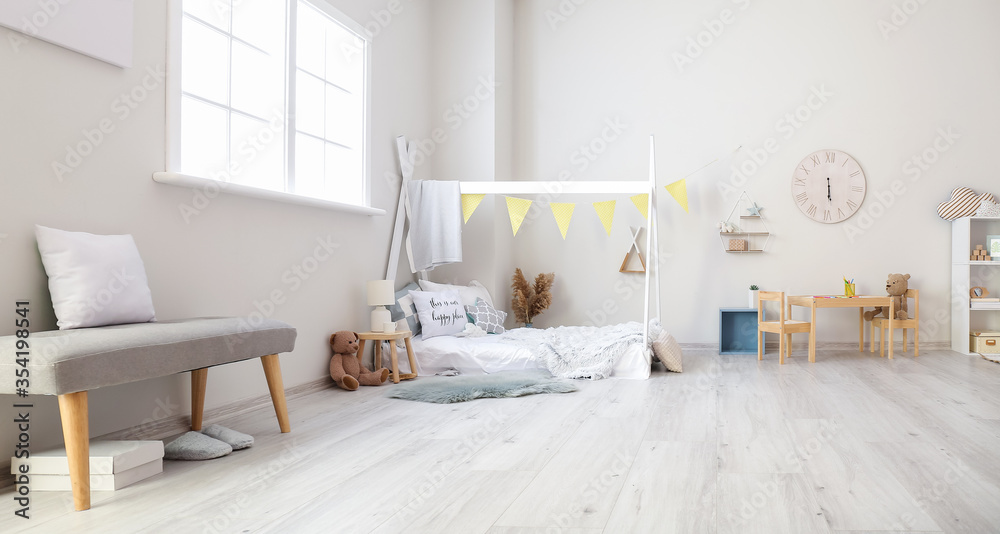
(737, 330)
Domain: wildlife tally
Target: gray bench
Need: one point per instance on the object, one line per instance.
(69, 363)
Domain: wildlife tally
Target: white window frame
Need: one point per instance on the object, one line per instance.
(172, 176)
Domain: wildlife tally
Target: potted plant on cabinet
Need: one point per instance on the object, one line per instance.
(754, 290)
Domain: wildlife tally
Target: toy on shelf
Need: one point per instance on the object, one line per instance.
(726, 227)
(964, 203)
(981, 254)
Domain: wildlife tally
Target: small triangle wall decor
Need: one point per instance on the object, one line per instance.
(626, 267)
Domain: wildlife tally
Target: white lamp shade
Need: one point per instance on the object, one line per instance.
(381, 292)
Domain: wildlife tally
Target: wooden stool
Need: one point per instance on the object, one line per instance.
(392, 338)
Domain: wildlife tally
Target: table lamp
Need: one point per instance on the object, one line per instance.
(380, 295)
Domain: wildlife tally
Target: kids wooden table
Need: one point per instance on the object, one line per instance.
(839, 301)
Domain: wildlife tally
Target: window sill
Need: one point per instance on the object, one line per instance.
(194, 182)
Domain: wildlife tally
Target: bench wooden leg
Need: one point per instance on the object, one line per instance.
(272, 371)
(76, 434)
(199, 377)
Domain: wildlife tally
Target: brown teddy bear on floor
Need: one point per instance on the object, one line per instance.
(345, 368)
(896, 287)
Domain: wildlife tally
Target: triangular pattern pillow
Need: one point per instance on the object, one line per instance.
(487, 317)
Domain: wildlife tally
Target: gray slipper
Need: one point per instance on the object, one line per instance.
(195, 446)
(236, 440)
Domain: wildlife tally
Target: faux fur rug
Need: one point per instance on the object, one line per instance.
(445, 390)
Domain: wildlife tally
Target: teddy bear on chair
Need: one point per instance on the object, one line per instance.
(345, 368)
(896, 286)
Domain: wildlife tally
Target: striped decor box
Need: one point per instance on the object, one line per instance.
(964, 203)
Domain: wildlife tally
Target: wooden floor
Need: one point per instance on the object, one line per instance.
(852, 443)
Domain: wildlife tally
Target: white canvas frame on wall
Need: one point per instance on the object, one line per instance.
(100, 29)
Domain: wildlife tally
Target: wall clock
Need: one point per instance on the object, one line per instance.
(829, 186)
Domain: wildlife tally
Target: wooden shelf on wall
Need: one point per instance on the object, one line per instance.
(752, 233)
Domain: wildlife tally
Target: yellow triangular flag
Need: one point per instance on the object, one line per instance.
(469, 205)
(642, 202)
(606, 211)
(563, 212)
(517, 208)
(679, 191)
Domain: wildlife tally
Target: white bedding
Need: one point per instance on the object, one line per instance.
(492, 353)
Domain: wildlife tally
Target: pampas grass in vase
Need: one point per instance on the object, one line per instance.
(529, 301)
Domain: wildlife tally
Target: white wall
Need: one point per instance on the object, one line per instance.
(504, 147)
(230, 256)
(466, 104)
(889, 98)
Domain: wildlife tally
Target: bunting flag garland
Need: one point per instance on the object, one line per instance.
(469, 205)
(606, 211)
(679, 191)
(642, 203)
(563, 212)
(517, 208)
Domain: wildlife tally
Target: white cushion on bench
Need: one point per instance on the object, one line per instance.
(67, 361)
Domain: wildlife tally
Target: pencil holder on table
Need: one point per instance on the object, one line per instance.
(849, 290)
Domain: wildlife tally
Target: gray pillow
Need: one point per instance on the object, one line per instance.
(487, 317)
(404, 308)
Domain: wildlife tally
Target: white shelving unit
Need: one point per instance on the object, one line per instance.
(966, 233)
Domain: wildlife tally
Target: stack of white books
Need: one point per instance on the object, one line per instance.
(985, 303)
(113, 465)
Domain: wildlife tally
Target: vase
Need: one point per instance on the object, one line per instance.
(528, 325)
(753, 299)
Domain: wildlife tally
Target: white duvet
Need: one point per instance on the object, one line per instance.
(567, 351)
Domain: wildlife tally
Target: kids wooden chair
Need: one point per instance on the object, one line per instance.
(784, 326)
(882, 323)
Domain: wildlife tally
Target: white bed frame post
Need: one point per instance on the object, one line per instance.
(652, 244)
(406, 165)
(402, 207)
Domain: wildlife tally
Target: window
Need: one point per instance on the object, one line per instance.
(272, 95)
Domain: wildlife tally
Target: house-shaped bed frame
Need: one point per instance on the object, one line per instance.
(652, 274)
